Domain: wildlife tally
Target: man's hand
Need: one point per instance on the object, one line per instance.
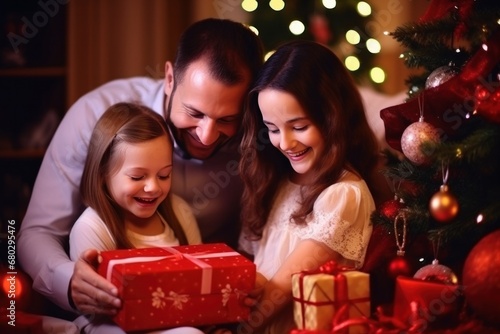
(92, 293)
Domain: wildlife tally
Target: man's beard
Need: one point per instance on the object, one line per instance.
(180, 149)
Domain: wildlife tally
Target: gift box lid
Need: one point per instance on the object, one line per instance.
(418, 300)
(191, 269)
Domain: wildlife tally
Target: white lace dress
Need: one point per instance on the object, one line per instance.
(340, 220)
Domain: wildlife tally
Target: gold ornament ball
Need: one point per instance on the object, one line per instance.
(443, 205)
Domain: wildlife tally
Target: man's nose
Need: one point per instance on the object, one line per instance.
(207, 131)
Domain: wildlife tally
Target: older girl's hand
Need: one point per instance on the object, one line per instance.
(254, 296)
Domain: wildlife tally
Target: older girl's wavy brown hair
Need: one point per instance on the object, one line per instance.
(326, 91)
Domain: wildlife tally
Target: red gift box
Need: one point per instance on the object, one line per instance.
(427, 304)
(179, 286)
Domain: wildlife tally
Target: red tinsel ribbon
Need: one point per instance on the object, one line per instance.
(439, 8)
(447, 105)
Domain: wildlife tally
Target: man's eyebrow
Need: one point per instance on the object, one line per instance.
(193, 109)
(190, 107)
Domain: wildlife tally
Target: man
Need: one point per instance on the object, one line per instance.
(202, 98)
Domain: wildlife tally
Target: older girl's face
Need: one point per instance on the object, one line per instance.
(292, 132)
(142, 180)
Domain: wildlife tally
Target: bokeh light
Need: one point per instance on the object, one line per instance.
(297, 27)
(255, 30)
(329, 4)
(277, 5)
(373, 45)
(249, 5)
(377, 75)
(269, 54)
(10, 285)
(352, 63)
(353, 37)
(364, 9)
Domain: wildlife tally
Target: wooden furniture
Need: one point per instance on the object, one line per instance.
(33, 83)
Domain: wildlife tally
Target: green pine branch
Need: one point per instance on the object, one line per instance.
(473, 179)
(478, 146)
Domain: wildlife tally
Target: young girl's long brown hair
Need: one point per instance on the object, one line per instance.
(327, 93)
(121, 123)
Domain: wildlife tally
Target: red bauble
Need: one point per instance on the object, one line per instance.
(488, 102)
(320, 29)
(399, 266)
(480, 278)
(390, 209)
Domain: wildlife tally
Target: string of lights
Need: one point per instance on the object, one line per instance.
(344, 26)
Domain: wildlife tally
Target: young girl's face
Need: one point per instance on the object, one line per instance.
(142, 180)
(291, 131)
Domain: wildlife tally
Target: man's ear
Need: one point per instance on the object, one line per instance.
(169, 78)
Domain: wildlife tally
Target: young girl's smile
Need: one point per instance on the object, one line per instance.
(142, 180)
(291, 131)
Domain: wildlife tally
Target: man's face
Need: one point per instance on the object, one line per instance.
(204, 112)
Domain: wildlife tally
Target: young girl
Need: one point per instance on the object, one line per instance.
(306, 151)
(126, 183)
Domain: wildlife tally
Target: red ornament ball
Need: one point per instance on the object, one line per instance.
(399, 266)
(488, 103)
(480, 278)
(412, 139)
(390, 209)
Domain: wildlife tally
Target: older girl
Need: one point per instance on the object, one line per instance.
(306, 152)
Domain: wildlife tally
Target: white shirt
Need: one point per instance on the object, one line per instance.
(90, 231)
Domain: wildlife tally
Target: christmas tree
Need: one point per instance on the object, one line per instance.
(323, 23)
(446, 181)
